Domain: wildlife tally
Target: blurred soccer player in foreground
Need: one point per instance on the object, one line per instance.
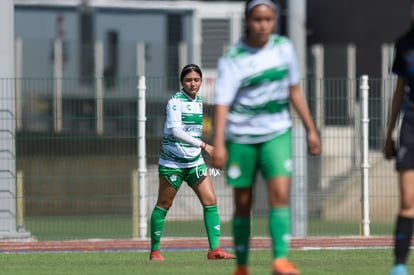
(403, 67)
(257, 79)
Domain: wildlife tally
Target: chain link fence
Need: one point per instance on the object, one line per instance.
(76, 160)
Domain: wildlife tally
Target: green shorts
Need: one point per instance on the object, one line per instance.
(176, 176)
(273, 158)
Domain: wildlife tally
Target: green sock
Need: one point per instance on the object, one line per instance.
(241, 235)
(157, 226)
(279, 227)
(212, 224)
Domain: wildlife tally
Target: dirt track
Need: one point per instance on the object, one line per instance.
(188, 244)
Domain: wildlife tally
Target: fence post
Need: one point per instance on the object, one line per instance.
(182, 54)
(365, 223)
(387, 55)
(352, 102)
(57, 102)
(18, 73)
(318, 53)
(7, 116)
(99, 87)
(135, 206)
(140, 58)
(20, 201)
(142, 159)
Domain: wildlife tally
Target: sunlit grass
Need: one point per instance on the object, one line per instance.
(313, 262)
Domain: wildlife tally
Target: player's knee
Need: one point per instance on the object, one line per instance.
(209, 201)
(243, 210)
(278, 200)
(164, 204)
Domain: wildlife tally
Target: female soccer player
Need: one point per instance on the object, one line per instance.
(181, 160)
(403, 67)
(257, 79)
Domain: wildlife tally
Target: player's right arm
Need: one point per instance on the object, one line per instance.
(225, 92)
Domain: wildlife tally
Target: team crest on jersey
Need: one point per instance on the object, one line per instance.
(234, 171)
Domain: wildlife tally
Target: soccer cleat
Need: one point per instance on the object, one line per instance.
(283, 267)
(241, 270)
(218, 254)
(155, 255)
(399, 269)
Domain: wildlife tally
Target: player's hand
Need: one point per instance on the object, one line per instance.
(209, 149)
(219, 157)
(314, 143)
(389, 149)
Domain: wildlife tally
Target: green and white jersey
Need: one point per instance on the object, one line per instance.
(182, 111)
(255, 84)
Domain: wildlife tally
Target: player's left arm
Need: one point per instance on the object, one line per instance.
(175, 124)
(298, 102)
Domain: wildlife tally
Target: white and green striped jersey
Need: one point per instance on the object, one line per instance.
(255, 84)
(182, 111)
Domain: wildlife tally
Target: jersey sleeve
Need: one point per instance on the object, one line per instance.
(294, 73)
(179, 133)
(226, 82)
(173, 111)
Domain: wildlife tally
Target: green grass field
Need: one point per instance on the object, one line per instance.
(311, 262)
(318, 262)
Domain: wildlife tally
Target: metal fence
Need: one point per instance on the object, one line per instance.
(76, 160)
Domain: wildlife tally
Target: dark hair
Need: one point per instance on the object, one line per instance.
(190, 68)
(247, 10)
